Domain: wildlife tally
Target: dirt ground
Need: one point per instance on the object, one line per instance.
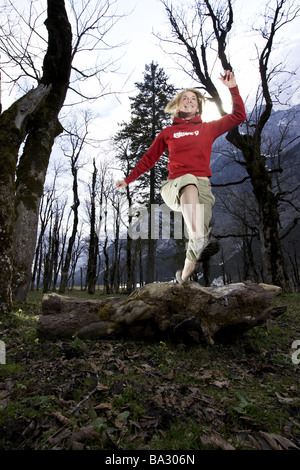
(132, 395)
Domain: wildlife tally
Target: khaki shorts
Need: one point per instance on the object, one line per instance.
(171, 192)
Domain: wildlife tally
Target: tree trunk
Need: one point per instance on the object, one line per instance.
(91, 276)
(115, 264)
(151, 242)
(13, 124)
(274, 270)
(269, 222)
(188, 313)
(130, 282)
(67, 261)
(105, 253)
(41, 134)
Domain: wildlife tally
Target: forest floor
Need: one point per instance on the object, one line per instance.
(128, 395)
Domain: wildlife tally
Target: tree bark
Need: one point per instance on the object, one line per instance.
(188, 313)
(91, 276)
(13, 129)
(41, 132)
(76, 203)
(131, 281)
(271, 251)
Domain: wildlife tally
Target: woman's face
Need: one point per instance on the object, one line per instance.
(188, 105)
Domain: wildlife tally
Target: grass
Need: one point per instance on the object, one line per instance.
(129, 395)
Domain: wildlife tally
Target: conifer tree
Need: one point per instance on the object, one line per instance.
(147, 120)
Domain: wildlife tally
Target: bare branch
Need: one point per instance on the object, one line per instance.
(221, 32)
(274, 20)
(29, 103)
(23, 42)
(191, 33)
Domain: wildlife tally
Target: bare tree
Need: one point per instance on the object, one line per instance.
(191, 35)
(130, 259)
(77, 138)
(91, 275)
(34, 117)
(115, 275)
(46, 67)
(50, 219)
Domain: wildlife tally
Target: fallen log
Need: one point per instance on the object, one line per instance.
(187, 312)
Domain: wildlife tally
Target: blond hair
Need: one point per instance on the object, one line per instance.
(173, 105)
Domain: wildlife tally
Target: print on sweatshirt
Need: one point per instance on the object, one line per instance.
(177, 135)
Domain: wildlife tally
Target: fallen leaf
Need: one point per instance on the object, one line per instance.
(62, 419)
(158, 399)
(103, 406)
(102, 388)
(188, 401)
(286, 400)
(206, 375)
(77, 446)
(59, 437)
(221, 383)
(216, 441)
(171, 375)
(148, 422)
(84, 434)
(118, 423)
(276, 442)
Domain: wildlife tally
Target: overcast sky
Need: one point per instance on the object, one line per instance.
(143, 47)
(136, 30)
(147, 16)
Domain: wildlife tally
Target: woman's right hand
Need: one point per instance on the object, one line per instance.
(121, 184)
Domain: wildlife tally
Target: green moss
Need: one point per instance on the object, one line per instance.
(106, 311)
(138, 295)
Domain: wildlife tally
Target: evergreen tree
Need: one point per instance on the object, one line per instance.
(147, 120)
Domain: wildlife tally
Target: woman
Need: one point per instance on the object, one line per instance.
(187, 189)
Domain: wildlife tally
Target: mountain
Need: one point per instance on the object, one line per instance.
(225, 169)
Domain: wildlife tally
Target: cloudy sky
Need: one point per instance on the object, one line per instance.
(148, 16)
(141, 47)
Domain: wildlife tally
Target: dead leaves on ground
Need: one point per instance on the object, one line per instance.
(121, 395)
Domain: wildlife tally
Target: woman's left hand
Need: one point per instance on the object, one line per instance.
(228, 79)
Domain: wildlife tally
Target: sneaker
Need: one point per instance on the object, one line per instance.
(178, 277)
(208, 251)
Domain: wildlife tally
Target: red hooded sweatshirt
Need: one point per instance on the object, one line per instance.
(190, 143)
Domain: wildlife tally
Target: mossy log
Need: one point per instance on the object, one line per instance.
(188, 313)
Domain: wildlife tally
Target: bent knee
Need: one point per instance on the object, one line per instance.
(189, 188)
